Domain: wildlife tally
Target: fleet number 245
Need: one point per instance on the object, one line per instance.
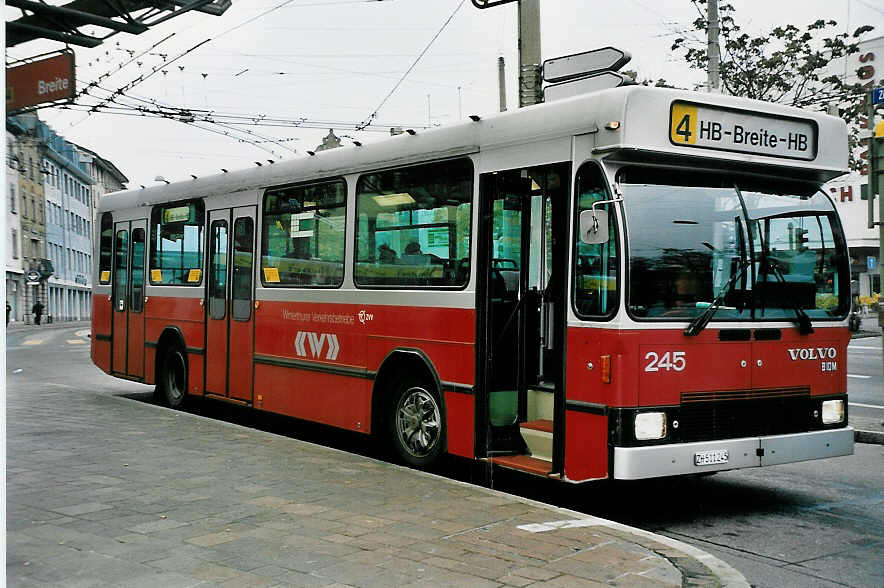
(671, 360)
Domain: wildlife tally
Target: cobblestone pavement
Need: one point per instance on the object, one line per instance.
(103, 490)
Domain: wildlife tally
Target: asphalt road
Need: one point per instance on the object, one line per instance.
(865, 384)
(816, 523)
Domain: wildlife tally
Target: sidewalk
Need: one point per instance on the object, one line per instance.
(868, 327)
(22, 326)
(108, 491)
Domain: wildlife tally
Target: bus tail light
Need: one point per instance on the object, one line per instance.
(833, 411)
(606, 369)
(650, 425)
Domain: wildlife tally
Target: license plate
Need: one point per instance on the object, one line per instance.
(711, 457)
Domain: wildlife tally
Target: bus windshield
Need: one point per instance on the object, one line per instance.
(754, 252)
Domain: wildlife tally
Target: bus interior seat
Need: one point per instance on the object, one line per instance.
(503, 407)
(414, 259)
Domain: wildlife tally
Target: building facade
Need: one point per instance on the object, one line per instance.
(53, 188)
(850, 192)
(68, 191)
(28, 150)
(15, 274)
(106, 178)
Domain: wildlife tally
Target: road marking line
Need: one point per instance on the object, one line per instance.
(852, 347)
(18, 371)
(75, 341)
(553, 525)
(865, 405)
(32, 342)
(860, 377)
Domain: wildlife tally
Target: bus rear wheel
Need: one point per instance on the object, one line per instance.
(172, 383)
(416, 424)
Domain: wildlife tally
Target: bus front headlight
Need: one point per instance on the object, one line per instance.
(833, 411)
(650, 425)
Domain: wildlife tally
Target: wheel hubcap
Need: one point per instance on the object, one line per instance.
(417, 422)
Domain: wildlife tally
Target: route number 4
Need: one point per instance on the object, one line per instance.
(684, 128)
(674, 360)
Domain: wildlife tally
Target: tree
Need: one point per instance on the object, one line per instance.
(788, 64)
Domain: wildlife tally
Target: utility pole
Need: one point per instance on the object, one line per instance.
(713, 51)
(501, 83)
(529, 52)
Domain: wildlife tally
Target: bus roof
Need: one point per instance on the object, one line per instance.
(632, 123)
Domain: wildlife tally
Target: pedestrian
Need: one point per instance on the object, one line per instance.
(38, 312)
(8, 310)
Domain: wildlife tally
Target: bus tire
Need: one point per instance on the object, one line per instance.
(172, 384)
(416, 423)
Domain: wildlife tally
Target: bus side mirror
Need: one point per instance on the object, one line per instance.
(594, 227)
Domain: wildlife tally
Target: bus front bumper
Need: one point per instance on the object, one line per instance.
(635, 463)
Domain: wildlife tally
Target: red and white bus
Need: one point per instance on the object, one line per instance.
(627, 284)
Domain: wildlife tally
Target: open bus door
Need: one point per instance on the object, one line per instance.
(230, 318)
(127, 353)
(522, 264)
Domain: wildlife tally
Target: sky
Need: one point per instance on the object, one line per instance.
(265, 65)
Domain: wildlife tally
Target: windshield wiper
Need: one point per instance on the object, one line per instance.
(801, 318)
(701, 320)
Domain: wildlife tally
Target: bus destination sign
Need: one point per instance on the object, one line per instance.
(695, 125)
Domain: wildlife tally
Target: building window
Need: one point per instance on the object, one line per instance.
(14, 244)
(12, 198)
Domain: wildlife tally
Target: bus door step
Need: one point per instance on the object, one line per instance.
(524, 463)
(538, 436)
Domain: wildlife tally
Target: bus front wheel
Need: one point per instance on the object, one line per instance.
(173, 378)
(416, 424)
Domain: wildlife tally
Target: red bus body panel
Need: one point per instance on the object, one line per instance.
(334, 336)
(710, 365)
(101, 332)
(240, 359)
(186, 316)
(120, 341)
(135, 330)
(216, 356)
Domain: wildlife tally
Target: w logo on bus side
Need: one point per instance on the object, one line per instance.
(317, 342)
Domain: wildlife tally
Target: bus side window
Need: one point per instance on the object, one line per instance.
(177, 233)
(302, 242)
(106, 248)
(596, 281)
(136, 303)
(413, 226)
(241, 307)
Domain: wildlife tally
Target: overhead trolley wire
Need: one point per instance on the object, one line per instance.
(374, 113)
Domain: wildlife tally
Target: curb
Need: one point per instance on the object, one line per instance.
(864, 334)
(873, 437)
(696, 566)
